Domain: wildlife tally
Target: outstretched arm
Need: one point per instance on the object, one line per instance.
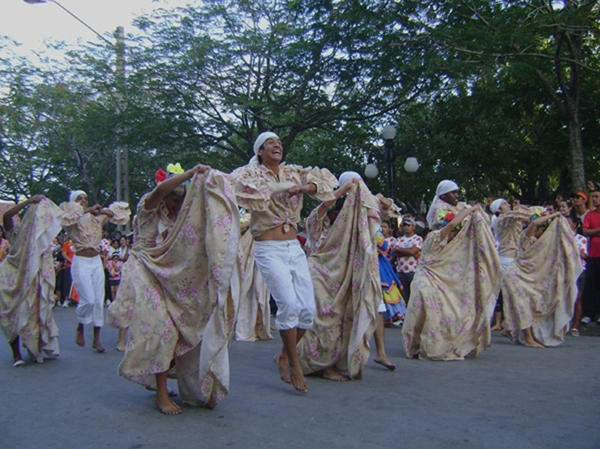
(325, 205)
(538, 221)
(7, 220)
(165, 187)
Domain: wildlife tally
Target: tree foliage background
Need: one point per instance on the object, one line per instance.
(502, 96)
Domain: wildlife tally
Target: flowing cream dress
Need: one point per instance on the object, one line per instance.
(27, 281)
(540, 287)
(254, 316)
(345, 272)
(453, 294)
(181, 295)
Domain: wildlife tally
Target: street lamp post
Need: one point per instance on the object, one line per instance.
(389, 133)
(411, 165)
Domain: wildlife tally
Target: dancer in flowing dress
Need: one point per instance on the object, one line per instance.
(540, 287)
(178, 293)
(454, 289)
(344, 268)
(27, 280)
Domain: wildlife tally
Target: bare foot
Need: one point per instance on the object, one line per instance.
(79, 338)
(98, 347)
(167, 406)
(120, 347)
(297, 378)
(533, 344)
(385, 362)
(284, 369)
(333, 374)
(496, 328)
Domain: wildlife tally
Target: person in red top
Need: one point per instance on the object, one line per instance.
(591, 290)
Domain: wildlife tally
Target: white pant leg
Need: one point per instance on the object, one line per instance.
(284, 268)
(88, 278)
(303, 286)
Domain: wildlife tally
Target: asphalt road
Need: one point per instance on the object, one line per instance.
(508, 397)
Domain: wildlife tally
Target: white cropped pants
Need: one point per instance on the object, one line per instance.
(88, 278)
(284, 267)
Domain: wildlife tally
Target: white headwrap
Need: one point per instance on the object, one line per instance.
(262, 138)
(495, 206)
(443, 187)
(348, 176)
(74, 194)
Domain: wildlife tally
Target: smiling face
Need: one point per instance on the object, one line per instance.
(450, 197)
(271, 152)
(82, 200)
(564, 208)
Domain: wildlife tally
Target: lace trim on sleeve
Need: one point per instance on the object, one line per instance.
(73, 212)
(252, 189)
(121, 212)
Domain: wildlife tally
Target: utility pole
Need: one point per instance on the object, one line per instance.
(122, 152)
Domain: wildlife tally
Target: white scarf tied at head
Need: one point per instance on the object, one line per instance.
(494, 208)
(74, 194)
(348, 176)
(262, 138)
(445, 186)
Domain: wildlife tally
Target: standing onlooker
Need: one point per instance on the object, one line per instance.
(591, 290)
(407, 250)
(124, 249)
(114, 273)
(582, 242)
(580, 209)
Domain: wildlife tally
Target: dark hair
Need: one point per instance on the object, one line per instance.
(568, 201)
(575, 219)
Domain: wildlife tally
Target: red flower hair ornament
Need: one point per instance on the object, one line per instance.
(160, 175)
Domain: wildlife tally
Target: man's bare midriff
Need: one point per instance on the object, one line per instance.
(277, 234)
(87, 252)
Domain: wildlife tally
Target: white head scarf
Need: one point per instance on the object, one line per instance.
(443, 187)
(495, 207)
(262, 138)
(348, 176)
(74, 194)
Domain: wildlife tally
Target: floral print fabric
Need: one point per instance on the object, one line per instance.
(253, 317)
(27, 281)
(184, 293)
(453, 294)
(345, 273)
(539, 288)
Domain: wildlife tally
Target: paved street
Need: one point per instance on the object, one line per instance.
(508, 397)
